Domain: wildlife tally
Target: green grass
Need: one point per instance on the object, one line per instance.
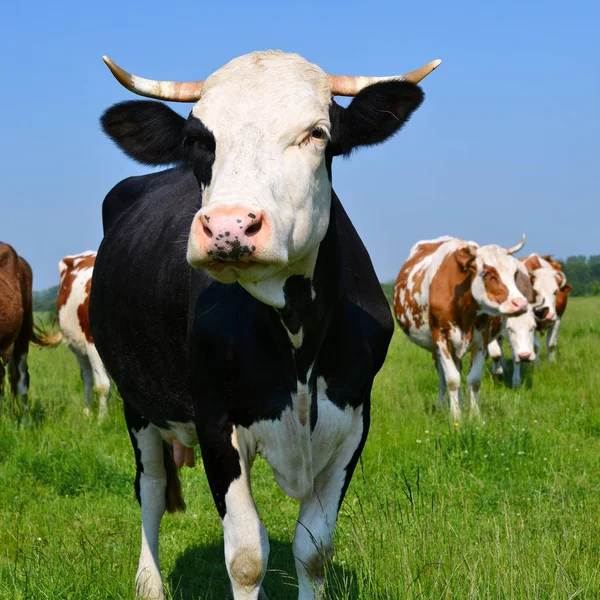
(507, 507)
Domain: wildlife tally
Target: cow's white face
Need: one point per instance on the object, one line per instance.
(546, 285)
(494, 283)
(260, 141)
(269, 114)
(520, 331)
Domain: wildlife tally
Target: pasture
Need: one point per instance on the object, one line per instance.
(506, 507)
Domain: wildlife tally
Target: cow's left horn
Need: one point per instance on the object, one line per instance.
(174, 91)
(350, 85)
(517, 247)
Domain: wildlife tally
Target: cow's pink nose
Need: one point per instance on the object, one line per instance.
(518, 304)
(231, 233)
(550, 316)
(526, 356)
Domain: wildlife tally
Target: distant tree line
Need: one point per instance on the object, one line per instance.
(45, 300)
(583, 274)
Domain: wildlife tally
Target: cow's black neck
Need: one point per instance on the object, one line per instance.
(310, 301)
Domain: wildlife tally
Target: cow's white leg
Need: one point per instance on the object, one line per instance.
(495, 352)
(313, 538)
(552, 340)
(101, 381)
(516, 377)
(246, 539)
(536, 347)
(86, 375)
(442, 378)
(153, 483)
(451, 374)
(475, 375)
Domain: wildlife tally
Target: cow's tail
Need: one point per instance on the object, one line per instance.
(42, 337)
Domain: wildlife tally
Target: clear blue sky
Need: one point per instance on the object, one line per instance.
(506, 141)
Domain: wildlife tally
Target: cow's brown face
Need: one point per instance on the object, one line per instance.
(494, 274)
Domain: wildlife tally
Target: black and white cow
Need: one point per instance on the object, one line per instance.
(269, 343)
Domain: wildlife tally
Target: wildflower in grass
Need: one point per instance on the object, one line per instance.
(455, 424)
(64, 443)
(418, 441)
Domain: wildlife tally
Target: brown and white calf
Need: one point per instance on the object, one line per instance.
(72, 308)
(444, 297)
(16, 323)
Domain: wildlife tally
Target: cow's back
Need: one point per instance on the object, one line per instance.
(412, 288)
(140, 291)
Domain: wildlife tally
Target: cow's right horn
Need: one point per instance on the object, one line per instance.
(173, 91)
(517, 247)
(350, 85)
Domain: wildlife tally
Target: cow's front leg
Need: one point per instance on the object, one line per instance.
(313, 538)
(495, 352)
(552, 340)
(227, 467)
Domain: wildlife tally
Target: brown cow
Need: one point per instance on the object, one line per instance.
(72, 308)
(16, 323)
(444, 297)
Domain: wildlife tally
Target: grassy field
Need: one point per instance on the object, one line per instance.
(507, 507)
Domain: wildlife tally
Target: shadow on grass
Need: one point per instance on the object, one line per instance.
(200, 574)
(505, 379)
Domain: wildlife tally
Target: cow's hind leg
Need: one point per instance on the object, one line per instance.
(475, 375)
(227, 468)
(442, 388)
(88, 380)
(451, 369)
(18, 374)
(101, 381)
(158, 489)
(313, 538)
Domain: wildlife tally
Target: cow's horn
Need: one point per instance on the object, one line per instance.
(517, 247)
(174, 91)
(349, 85)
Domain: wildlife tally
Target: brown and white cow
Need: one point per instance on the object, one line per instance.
(16, 323)
(551, 287)
(551, 292)
(444, 297)
(72, 308)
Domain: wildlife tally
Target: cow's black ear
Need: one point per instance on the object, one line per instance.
(149, 132)
(375, 114)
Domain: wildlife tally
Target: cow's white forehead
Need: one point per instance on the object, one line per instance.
(266, 87)
(545, 278)
(496, 256)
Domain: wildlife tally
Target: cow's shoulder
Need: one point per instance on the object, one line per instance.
(169, 185)
(450, 298)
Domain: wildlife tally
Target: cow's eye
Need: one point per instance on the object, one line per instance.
(317, 134)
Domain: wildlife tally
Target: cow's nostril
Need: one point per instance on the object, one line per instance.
(207, 232)
(254, 229)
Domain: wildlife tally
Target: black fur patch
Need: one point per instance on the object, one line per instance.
(376, 113)
(149, 132)
(200, 146)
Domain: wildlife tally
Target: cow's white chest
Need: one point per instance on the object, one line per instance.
(295, 454)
